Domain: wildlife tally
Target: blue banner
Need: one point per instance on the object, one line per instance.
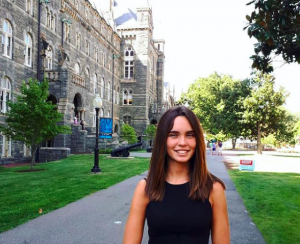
(105, 128)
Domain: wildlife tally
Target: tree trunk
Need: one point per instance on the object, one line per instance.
(259, 145)
(32, 157)
(233, 143)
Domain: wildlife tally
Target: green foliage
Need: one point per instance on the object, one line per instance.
(263, 108)
(30, 119)
(216, 102)
(59, 184)
(104, 151)
(151, 131)
(275, 25)
(269, 140)
(128, 134)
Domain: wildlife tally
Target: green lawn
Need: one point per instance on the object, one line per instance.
(273, 202)
(61, 182)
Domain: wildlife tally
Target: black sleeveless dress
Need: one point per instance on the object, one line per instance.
(178, 219)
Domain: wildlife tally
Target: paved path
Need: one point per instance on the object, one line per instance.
(100, 218)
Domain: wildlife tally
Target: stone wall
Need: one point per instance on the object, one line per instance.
(47, 154)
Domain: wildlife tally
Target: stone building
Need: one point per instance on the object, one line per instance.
(83, 49)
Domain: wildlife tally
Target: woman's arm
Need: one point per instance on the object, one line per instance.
(135, 223)
(220, 222)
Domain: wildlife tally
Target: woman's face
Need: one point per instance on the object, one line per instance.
(181, 141)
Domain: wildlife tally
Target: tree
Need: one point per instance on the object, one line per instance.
(31, 119)
(276, 26)
(263, 108)
(215, 101)
(150, 132)
(128, 133)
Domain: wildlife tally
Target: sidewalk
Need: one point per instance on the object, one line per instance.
(100, 218)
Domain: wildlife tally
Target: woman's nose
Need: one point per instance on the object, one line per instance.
(182, 140)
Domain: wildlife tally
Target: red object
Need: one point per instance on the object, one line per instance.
(246, 162)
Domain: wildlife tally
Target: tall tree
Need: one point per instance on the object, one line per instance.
(215, 100)
(263, 107)
(276, 26)
(31, 119)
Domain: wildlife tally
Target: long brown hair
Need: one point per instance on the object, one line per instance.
(201, 180)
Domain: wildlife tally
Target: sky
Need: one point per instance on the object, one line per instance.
(207, 36)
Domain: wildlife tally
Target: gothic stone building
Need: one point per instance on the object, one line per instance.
(83, 50)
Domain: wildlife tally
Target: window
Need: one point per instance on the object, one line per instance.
(96, 55)
(53, 21)
(108, 91)
(129, 61)
(86, 14)
(78, 41)
(87, 47)
(7, 39)
(29, 6)
(66, 32)
(127, 97)
(48, 17)
(101, 112)
(87, 73)
(77, 68)
(118, 95)
(108, 114)
(76, 5)
(127, 120)
(48, 59)
(28, 50)
(95, 83)
(102, 88)
(5, 93)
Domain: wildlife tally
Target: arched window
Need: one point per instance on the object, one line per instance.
(54, 22)
(102, 88)
(101, 112)
(108, 114)
(76, 5)
(118, 95)
(87, 47)
(29, 6)
(48, 59)
(5, 93)
(7, 39)
(108, 91)
(127, 120)
(78, 41)
(48, 17)
(127, 97)
(51, 23)
(28, 50)
(87, 73)
(96, 55)
(86, 14)
(66, 31)
(130, 97)
(95, 83)
(77, 68)
(128, 63)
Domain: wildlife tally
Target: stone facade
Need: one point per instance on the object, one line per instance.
(83, 50)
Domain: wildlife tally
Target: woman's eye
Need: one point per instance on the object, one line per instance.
(173, 135)
(192, 135)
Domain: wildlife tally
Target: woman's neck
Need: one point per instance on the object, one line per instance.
(177, 173)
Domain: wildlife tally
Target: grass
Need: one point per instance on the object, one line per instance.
(62, 182)
(273, 202)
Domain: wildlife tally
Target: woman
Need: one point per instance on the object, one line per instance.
(180, 199)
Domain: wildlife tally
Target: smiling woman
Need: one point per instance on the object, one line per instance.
(181, 200)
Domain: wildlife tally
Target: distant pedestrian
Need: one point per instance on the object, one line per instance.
(220, 148)
(75, 120)
(213, 148)
(82, 124)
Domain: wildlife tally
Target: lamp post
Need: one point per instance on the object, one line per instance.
(97, 105)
